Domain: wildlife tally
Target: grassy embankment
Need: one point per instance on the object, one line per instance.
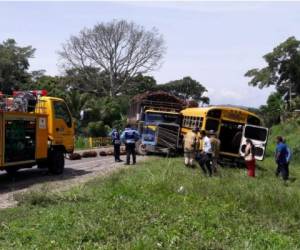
(145, 208)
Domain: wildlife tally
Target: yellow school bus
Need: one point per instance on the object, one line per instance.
(232, 125)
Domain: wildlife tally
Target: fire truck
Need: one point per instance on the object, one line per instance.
(35, 129)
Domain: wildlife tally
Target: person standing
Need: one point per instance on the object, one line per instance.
(250, 158)
(129, 137)
(190, 141)
(281, 154)
(215, 150)
(116, 141)
(205, 154)
(289, 154)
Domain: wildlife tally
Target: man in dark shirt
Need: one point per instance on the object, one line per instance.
(281, 159)
(115, 137)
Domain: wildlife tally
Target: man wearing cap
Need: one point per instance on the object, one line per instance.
(215, 150)
(190, 142)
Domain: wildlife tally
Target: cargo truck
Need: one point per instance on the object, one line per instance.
(157, 117)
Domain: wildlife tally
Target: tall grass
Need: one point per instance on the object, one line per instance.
(161, 204)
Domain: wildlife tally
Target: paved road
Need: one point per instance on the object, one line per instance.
(76, 172)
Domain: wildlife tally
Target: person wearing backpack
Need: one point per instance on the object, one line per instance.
(249, 158)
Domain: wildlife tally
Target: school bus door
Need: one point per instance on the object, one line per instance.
(259, 136)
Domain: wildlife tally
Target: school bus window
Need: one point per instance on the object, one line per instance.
(252, 120)
(193, 122)
(185, 123)
(189, 121)
(212, 124)
(200, 122)
(215, 113)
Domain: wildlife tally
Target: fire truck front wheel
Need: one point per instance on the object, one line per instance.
(56, 161)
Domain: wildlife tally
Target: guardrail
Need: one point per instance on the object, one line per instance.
(95, 142)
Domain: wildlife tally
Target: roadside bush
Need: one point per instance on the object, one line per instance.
(81, 142)
(97, 129)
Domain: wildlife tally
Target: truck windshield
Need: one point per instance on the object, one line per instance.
(166, 118)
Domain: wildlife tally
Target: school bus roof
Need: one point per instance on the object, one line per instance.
(202, 111)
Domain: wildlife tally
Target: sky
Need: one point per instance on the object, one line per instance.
(215, 43)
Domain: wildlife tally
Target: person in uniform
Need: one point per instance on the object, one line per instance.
(215, 150)
(129, 137)
(116, 141)
(190, 142)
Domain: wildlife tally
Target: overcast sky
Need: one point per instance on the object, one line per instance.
(214, 43)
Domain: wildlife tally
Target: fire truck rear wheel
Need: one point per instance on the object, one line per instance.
(11, 171)
(57, 162)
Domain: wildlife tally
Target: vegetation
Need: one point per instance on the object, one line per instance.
(14, 64)
(160, 204)
(110, 54)
(283, 72)
(105, 66)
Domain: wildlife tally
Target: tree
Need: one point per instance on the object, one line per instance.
(119, 49)
(53, 84)
(282, 70)
(272, 111)
(186, 88)
(14, 65)
(139, 84)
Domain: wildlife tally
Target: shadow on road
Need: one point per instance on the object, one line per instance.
(28, 177)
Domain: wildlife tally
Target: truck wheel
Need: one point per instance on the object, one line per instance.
(56, 162)
(141, 149)
(11, 171)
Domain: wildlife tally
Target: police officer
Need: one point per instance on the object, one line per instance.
(129, 137)
(115, 137)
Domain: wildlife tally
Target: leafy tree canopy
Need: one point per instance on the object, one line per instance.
(282, 70)
(186, 88)
(271, 112)
(14, 64)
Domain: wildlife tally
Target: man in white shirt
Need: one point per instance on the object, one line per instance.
(205, 154)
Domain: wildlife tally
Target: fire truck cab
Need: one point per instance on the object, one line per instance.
(35, 129)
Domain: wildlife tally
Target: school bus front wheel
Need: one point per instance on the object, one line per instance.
(56, 161)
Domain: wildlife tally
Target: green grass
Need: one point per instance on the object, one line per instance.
(289, 130)
(142, 208)
(82, 143)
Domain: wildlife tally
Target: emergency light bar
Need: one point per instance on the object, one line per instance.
(42, 92)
